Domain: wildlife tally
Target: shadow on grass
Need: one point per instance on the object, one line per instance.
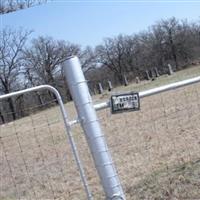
(178, 182)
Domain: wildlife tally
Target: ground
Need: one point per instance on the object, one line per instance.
(156, 150)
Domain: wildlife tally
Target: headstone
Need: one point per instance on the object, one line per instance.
(170, 70)
(147, 75)
(137, 79)
(110, 86)
(100, 88)
(152, 73)
(2, 118)
(156, 72)
(125, 81)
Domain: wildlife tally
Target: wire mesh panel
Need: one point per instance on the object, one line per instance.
(36, 161)
(157, 149)
(88, 163)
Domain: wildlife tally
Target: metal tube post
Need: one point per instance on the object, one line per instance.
(91, 126)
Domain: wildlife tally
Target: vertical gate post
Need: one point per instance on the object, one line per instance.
(91, 126)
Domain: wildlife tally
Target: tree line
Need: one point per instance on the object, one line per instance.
(7, 6)
(25, 63)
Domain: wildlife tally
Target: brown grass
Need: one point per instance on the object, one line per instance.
(156, 151)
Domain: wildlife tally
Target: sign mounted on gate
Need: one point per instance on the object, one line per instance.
(125, 102)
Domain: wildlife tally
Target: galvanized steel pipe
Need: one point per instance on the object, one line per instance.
(91, 126)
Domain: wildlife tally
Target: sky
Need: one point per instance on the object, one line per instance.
(89, 22)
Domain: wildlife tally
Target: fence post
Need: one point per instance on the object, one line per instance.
(91, 126)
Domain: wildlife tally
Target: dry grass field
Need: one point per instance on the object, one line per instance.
(156, 150)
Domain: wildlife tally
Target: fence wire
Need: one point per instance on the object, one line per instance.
(156, 151)
(36, 160)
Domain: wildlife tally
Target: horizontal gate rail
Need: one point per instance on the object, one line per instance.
(154, 91)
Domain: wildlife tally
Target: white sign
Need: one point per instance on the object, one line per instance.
(125, 102)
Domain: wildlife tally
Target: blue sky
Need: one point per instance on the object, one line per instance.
(88, 22)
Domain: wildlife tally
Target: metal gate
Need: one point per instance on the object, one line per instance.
(35, 160)
(156, 149)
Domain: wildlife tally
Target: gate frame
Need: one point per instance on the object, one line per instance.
(67, 125)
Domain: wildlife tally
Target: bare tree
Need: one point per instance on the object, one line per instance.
(11, 59)
(44, 59)
(167, 41)
(175, 42)
(112, 55)
(88, 59)
(7, 6)
(170, 28)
